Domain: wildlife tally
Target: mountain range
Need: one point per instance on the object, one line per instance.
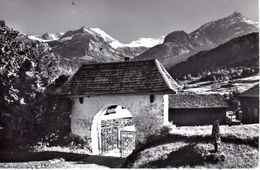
(93, 45)
(178, 46)
(239, 52)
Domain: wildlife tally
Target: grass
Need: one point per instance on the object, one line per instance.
(183, 147)
(243, 132)
(190, 147)
(195, 155)
(240, 84)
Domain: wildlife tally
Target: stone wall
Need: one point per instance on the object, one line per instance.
(147, 115)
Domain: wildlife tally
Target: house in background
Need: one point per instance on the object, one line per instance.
(249, 101)
(197, 109)
(115, 104)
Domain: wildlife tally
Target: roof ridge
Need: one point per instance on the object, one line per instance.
(163, 73)
(197, 94)
(129, 61)
(251, 92)
(71, 77)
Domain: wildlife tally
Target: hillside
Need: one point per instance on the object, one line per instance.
(239, 52)
(191, 147)
(179, 45)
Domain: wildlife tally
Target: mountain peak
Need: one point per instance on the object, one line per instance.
(179, 46)
(176, 36)
(236, 14)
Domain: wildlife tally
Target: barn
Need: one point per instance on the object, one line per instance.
(118, 104)
(249, 101)
(196, 109)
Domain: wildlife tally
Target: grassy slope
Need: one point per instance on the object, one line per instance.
(190, 147)
(197, 155)
(249, 131)
(240, 51)
(240, 84)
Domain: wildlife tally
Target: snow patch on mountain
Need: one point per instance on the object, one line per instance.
(109, 39)
(46, 37)
(141, 42)
(250, 22)
(184, 51)
(146, 42)
(66, 38)
(37, 38)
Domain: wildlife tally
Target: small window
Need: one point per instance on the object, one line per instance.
(111, 110)
(152, 98)
(81, 99)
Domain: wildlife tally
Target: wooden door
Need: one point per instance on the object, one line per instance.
(115, 139)
(109, 136)
(127, 142)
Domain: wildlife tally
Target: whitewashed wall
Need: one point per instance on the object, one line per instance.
(147, 116)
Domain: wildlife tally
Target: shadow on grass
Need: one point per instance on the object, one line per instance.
(254, 142)
(185, 156)
(108, 161)
(40, 156)
(111, 162)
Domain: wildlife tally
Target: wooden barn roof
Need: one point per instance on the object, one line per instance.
(252, 92)
(133, 77)
(189, 101)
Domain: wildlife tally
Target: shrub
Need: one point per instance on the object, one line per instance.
(158, 134)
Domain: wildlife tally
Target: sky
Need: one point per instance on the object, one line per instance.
(125, 20)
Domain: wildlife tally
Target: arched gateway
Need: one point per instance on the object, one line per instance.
(113, 132)
(100, 90)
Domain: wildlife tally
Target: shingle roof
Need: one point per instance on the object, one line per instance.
(133, 77)
(189, 101)
(252, 92)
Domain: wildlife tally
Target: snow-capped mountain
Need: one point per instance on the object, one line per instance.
(146, 42)
(141, 42)
(179, 45)
(112, 41)
(85, 45)
(95, 45)
(90, 41)
(46, 37)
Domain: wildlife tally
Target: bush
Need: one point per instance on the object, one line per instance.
(26, 67)
(162, 132)
(69, 141)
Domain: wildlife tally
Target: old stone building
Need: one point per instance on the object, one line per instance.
(197, 109)
(118, 104)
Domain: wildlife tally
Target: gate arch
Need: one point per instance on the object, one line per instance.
(113, 132)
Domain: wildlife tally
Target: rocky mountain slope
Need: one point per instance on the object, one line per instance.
(46, 37)
(84, 45)
(239, 52)
(179, 45)
(91, 45)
